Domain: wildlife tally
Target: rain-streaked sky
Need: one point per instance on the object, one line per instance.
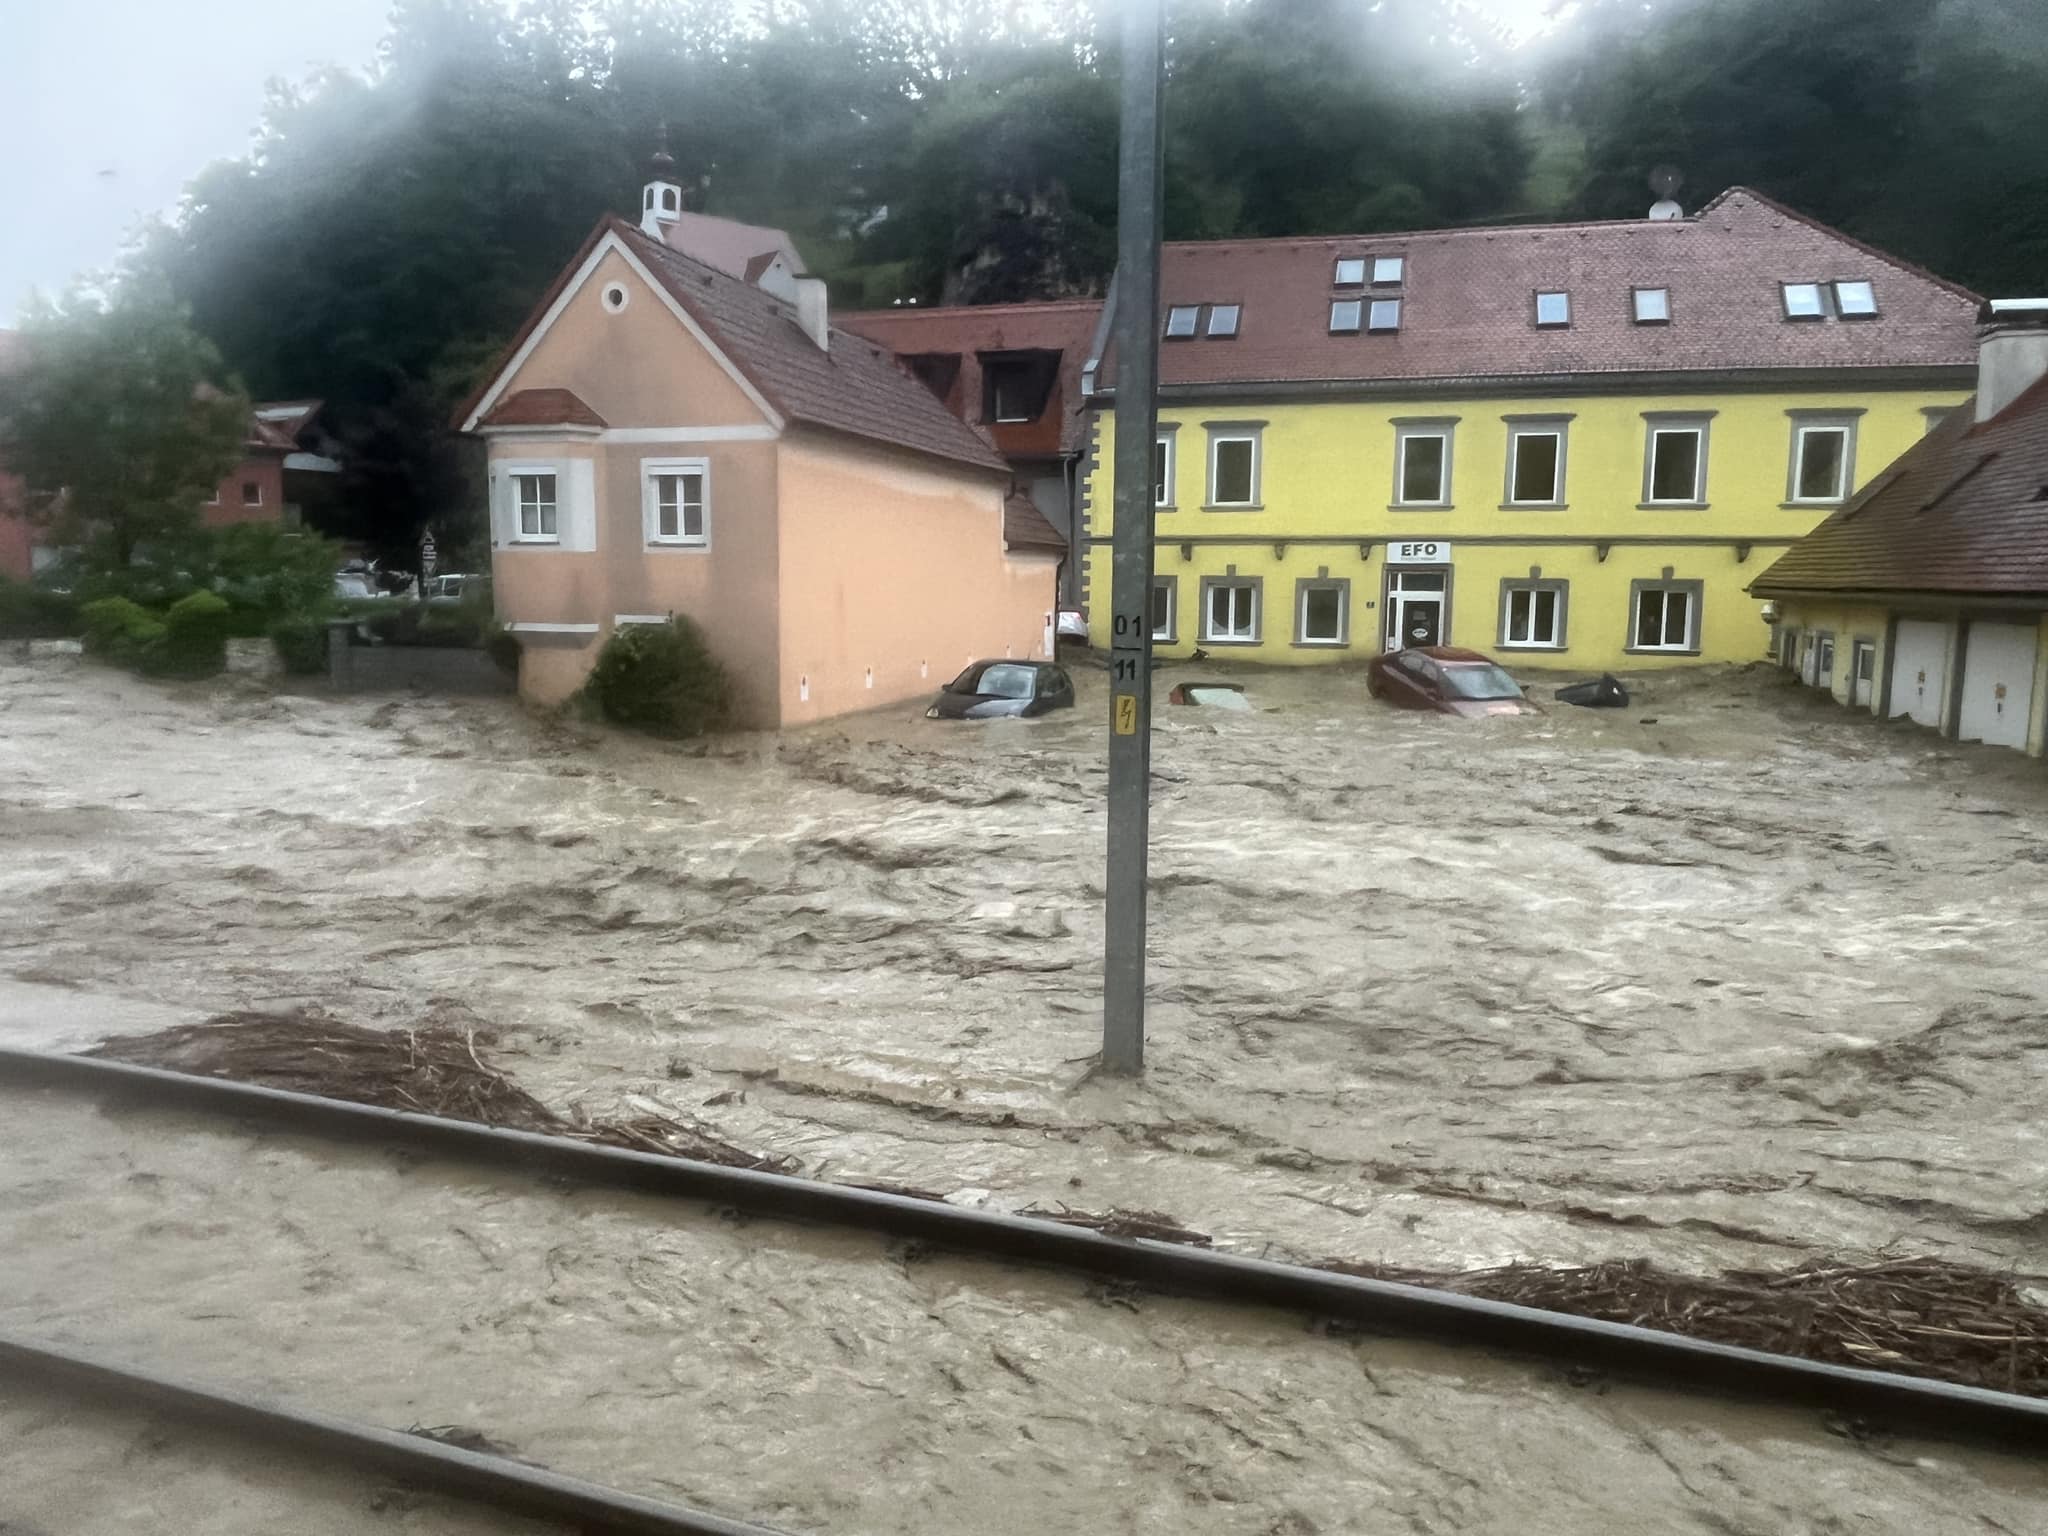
(113, 105)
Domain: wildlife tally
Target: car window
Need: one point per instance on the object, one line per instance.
(996, 680)
(1480, 682)
(1419, 665)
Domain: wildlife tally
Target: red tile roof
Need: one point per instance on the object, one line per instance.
(729, 245)
(1468, 301)
(1025, 527)
(853, 387)
(1963, 510)
(542, 408)
(1065, 326)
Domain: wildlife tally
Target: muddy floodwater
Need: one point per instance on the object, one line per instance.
(821, 1381)
(1727, 977)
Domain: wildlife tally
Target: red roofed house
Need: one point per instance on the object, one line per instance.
(668, 436)
(1572, 445)
(1926, 595)
(1014, 370)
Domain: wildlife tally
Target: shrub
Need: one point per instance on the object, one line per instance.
(663, 679)
(195, 639)
(36, 613)
(267, 572)
(301, 645)
(120, 631)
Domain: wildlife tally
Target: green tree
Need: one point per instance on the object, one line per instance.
(122, 424)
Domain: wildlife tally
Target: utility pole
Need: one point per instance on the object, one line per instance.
(1136, 322)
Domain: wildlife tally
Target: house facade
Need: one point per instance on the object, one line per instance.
(1926, 596)
(666, 437)
(1570, 446)
(1015, 371)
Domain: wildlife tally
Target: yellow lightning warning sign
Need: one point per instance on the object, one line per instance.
(1127, 714)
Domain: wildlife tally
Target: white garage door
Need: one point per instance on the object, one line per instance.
(1998, 684)
(1919, 665)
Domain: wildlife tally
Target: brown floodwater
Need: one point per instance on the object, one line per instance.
(816, 1380)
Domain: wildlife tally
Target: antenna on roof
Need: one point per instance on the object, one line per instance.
(1665, 181)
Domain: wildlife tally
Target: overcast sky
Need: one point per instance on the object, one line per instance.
(116, 104)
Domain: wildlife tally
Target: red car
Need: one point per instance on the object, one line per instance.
(1447, 680)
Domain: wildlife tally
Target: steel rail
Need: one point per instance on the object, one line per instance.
(496, 1481)
(1905, 1402)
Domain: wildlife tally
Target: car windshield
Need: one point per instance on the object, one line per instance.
(1479, 681)
(995, 680)
(1218, 698)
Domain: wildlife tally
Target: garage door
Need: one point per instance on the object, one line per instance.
(1998, 684)
(1919, 665)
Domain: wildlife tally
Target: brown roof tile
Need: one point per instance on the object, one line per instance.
(1964, 510)
(1025, 527)
(542, 408)
(1468, 302)
(854, 387)
(727, 244)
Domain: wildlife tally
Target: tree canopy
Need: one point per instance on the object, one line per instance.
(387, 232)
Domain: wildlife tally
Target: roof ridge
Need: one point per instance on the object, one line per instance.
(1036, 305)
(1414, 234)
(1898, 262)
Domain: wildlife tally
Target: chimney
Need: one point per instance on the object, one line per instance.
(2012, 351)
(811, 313)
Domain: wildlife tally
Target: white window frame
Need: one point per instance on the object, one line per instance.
(1388, 271)
(1674, 426)
(652, 472)
(1220, 436)
(247, 487)
(1559, 591)
(1175, 331)
(1253, 588)
(1560, 321)
(1383, 315)
(1820, 300)
(1350, 272)
(1403, 436)
(215, 498)
(1845, 469)
(1017, 375)
(1842, 309)
(1217, 325)
(1517, 431)
(1692, 592)
(1162, 484)
(1167, 633)
(1662, 298)
(515, 522)
(1302, 589)
(1347, 316)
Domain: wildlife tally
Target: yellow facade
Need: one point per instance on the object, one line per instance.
(1326, 512)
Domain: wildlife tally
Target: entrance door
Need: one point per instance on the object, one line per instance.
(1919, 665)
(1415, 609)
(1864, 673)
(1998, 684)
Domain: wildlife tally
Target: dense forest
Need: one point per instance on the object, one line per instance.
(386, 231)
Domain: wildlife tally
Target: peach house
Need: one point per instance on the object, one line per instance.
(678, 433)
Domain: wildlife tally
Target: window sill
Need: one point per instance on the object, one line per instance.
(1672, 506)
(1321, 645)
(1165, 640)
(679, 544)
(1654, 650)
(1828, 505)
(1535, 506)
(529, 541)
(1165, 506)
(1233, 506)
(1217, 640)
(1523, 646)
(1419, 506)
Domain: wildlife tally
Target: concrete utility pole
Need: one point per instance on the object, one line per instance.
(1139, 194)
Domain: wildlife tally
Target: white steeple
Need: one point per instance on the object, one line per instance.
(661, 200)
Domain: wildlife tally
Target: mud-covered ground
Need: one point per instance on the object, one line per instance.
(1727, 977)
(814, 1380)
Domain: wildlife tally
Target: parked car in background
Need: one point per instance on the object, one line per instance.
(990, 690)
(454, 587)
(1445, 679)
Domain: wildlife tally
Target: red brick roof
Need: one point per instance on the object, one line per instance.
(1468, 302)
(1965, 509)
(1025, 527)
(853, 387)
(1066, 326)
(542, 408)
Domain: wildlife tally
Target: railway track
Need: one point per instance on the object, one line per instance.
(1578, 1345)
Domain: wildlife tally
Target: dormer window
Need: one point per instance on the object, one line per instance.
(1653, 306)
(1017, 385)
(1350, 272)
(1803, 301)
(1385, 316)
(1344, 316)
(1180, 320)
(1553, 308)
(1388, 270)
(1223, 320)
(1855, 300)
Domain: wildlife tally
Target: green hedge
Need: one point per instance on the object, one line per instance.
(35, 613)
(120, 630)
(663, 679)
(190, 640)
(301, 645)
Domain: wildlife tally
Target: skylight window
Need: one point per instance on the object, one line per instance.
(1653, 306)
(1386, 315)
(1553, 308)
(1344, 316)
(1803, 302)
(1350, 272)
(1180, 320)
(1855, 300)
(1223, 320)
(1387, 269)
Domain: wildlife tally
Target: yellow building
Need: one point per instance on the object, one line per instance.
(1567, 445)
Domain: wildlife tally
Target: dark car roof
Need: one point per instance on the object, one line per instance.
(1450, 653)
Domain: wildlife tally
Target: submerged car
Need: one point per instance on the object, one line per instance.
(1446, 679)
(1210, 695)
(990, 690)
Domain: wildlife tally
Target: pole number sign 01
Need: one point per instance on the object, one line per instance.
(1419, 552)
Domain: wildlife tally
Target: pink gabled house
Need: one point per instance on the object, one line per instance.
(679, 429)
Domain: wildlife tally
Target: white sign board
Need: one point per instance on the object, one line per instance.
(1418, 552)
